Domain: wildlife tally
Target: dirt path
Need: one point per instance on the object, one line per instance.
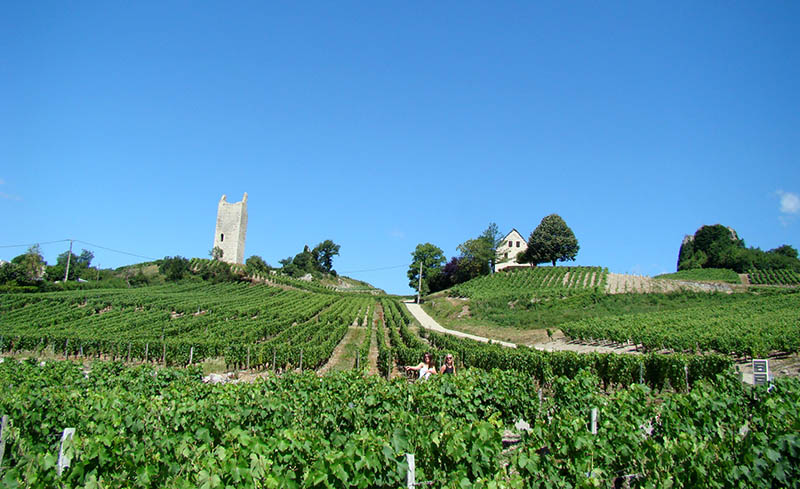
(344, 355)
(429, 323)
(560, 343)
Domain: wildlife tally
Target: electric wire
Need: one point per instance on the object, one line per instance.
(374, 269)
(115, 251)
(152, 258)
(33, 244)
(78, 241)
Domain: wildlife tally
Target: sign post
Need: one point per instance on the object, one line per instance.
(760, 372)
(63, 459)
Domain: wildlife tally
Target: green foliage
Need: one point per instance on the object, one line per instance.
(432, 259)
(535, 284)
(316, 261)
(720, 247)
(323, 255)
(785, 250)
(704, 274)
(173, 268)
(216, 253)
(774, 277)
(478, 256)
(551, 241)
(221, 320)
(753, 326)
(256, 264)
(147, 427)
(85, 258)
(30, 267)
(10, 274)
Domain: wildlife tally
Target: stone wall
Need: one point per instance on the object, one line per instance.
(231, 229)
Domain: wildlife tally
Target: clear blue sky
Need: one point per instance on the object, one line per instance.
(382, 125)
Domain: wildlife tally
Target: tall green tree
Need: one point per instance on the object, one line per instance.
(432, 259)
(323, 255)
(85, 258)
(478, 255)
(551, 241)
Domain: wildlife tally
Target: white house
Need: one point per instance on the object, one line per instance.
(509, 248)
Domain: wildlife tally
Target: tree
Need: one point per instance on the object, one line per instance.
(31, 265)
(478, 255)
(785, 250)
(173, 268)
(85, 258)
(323, 255)
(304, 261)
(551, 241)
(493, 238)
(216, 253)
(9, 273)
(256, 264)
(432, 259)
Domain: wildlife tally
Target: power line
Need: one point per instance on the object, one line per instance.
(115, 251)
(375, 269)
(78, 241)
(33, 244)
(152, 258)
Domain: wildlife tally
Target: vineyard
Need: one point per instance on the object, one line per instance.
(163, 428)
(673, 372)
(680, 419)
(753, 326)
(541, 283)
(247, 325)
(774, 277)
(704, 274)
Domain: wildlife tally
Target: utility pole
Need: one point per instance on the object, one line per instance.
(69, 255)
(419, 287)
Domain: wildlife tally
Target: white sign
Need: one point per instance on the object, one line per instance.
(63, 460)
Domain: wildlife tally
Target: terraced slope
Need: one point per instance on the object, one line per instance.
(538, 282)
(245, 324)
(753, 326)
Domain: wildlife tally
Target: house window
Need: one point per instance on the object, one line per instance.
(506, 254)
(510, 244)
(221, 238)
(517, 244)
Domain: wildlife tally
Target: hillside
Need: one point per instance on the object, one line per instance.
(531, 306)
(289, 426)
(234, 321)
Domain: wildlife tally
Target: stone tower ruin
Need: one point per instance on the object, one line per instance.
(231, 229)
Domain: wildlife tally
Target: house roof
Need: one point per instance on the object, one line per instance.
(513, 230)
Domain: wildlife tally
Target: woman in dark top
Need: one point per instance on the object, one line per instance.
(449, 366)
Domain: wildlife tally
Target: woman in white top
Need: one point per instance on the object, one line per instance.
(426, 368)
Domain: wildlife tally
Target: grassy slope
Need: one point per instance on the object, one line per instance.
(705, 275)
(528, 320)
(554, 313)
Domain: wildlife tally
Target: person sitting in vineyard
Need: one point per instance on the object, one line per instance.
(449, 366)
(426, 367)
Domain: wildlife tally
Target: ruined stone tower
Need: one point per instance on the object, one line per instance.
(231, 229)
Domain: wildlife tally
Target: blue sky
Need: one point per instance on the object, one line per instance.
(382, 125)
